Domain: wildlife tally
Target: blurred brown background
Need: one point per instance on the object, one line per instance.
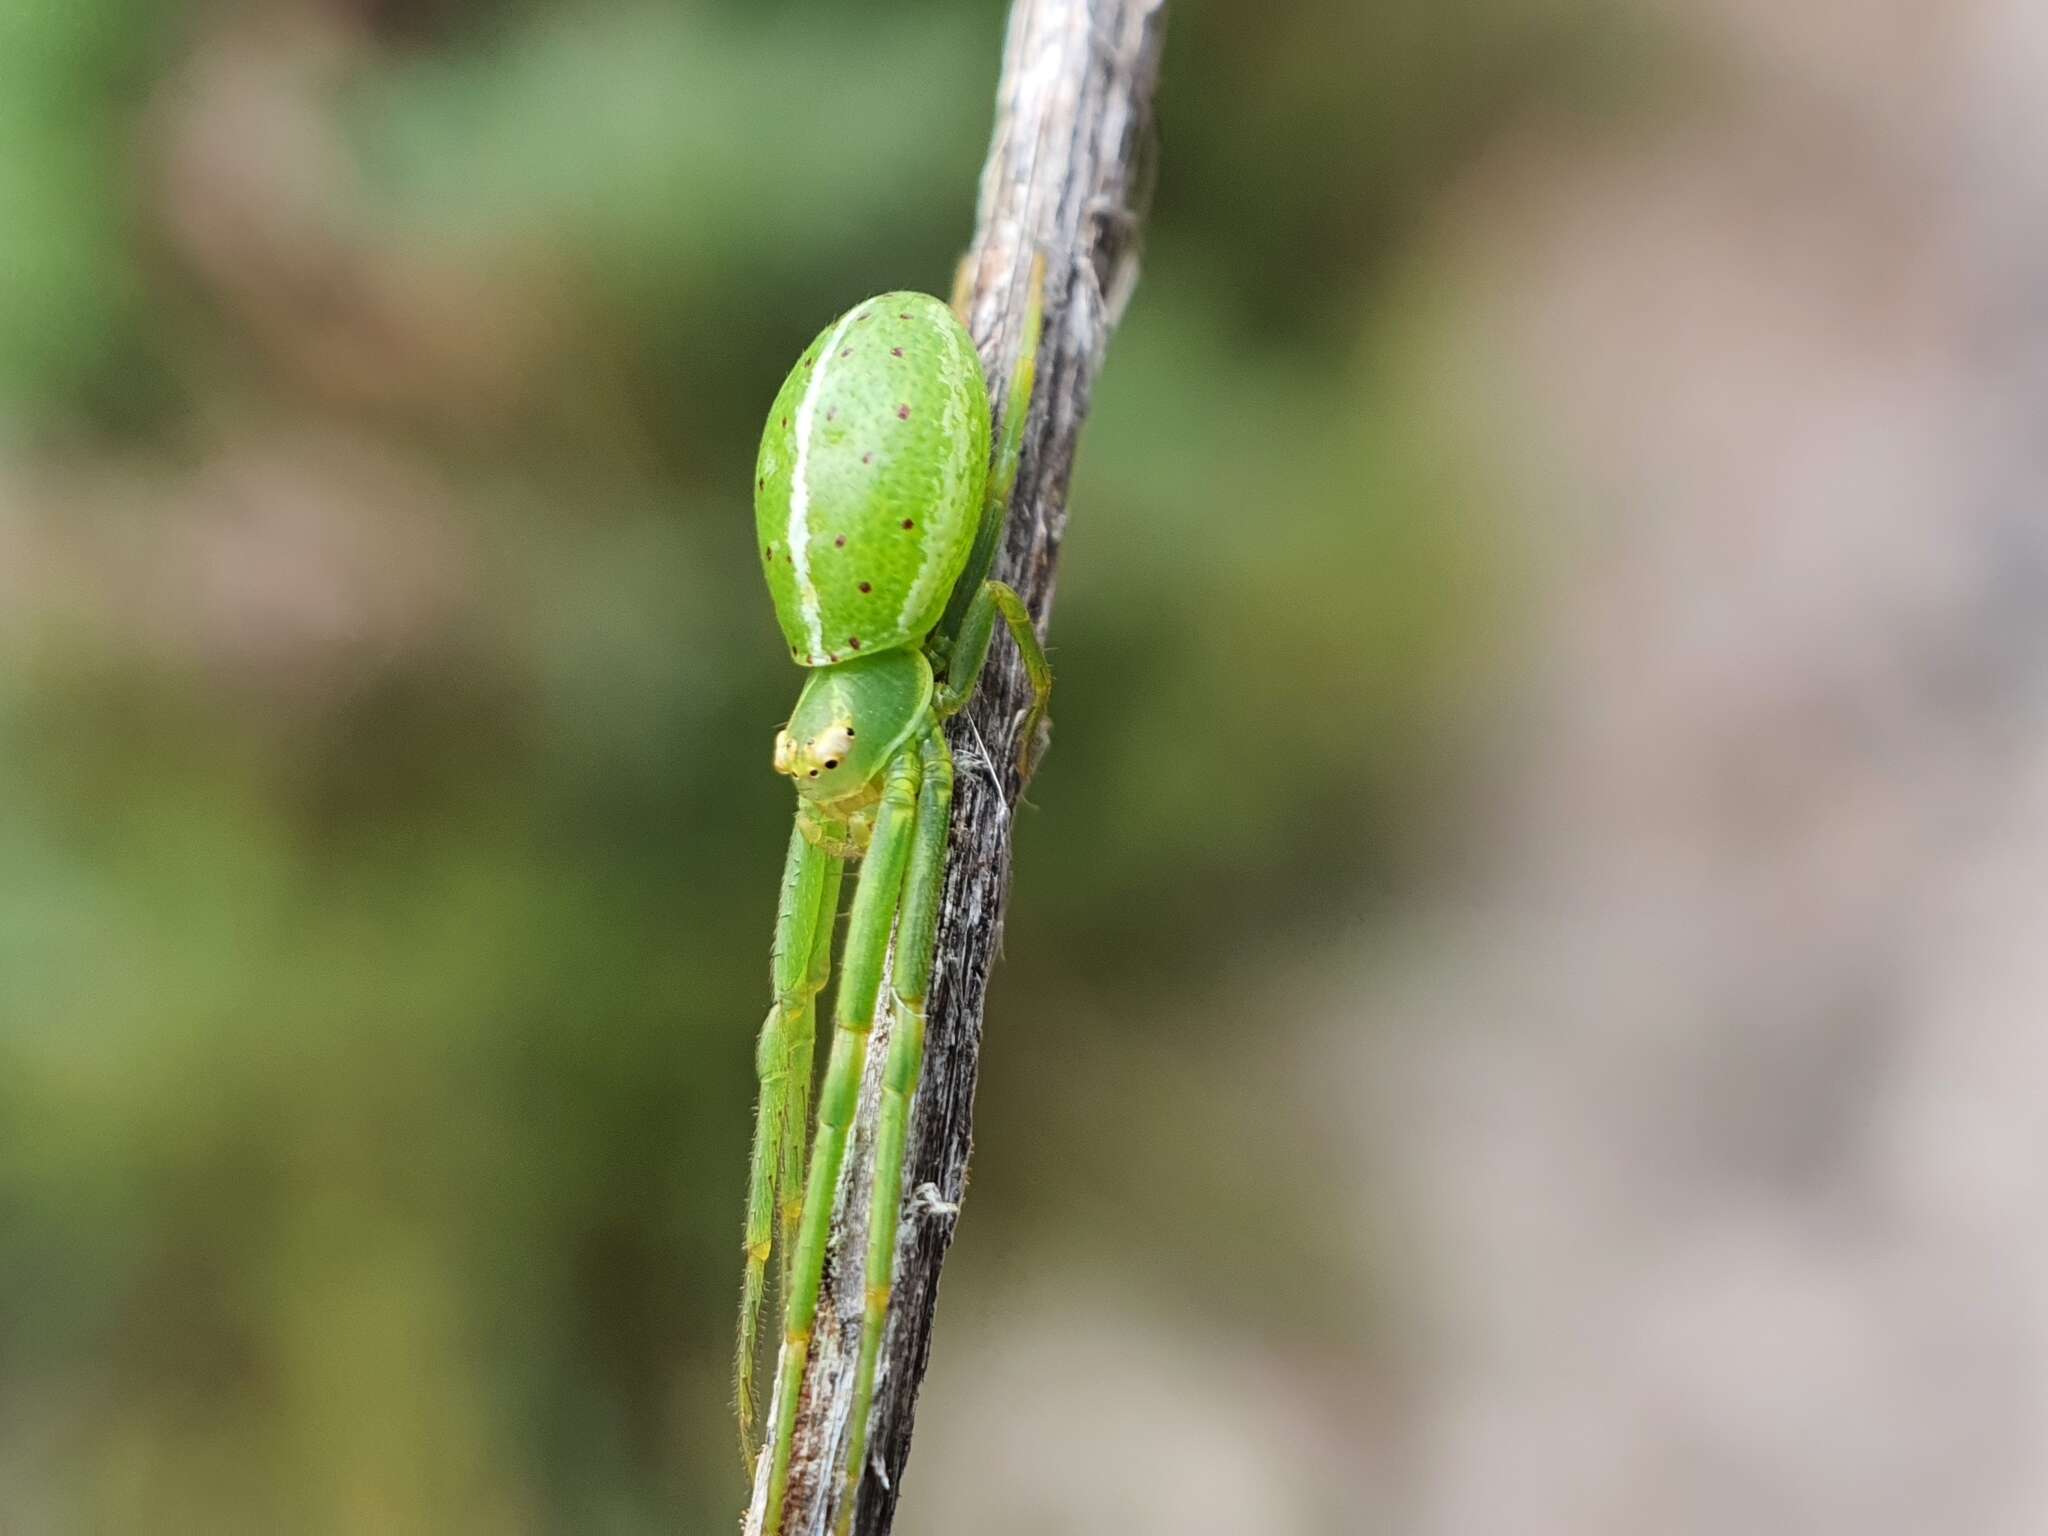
(1524, 995)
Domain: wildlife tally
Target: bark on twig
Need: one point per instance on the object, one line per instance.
(1066, 178)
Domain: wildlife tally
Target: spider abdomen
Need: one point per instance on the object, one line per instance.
(870, 478)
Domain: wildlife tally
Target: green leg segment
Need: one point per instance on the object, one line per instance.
(970, 652)
(867, 947)
(916, 931)
(1002, 476)
(963, 634)
(803, 1043)
(785, 1046)
(1017, 408)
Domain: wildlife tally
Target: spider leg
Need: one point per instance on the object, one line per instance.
(1008, 453)
(785, 1047)
(970, 652)
(803, 1043)
(867, 946)
(964, 631)
(916, 932)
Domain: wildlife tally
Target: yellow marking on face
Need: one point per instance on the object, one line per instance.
(824, 752)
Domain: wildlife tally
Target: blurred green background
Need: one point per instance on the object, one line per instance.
(387, 841)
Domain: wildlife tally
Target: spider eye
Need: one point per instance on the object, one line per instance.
(831, 762)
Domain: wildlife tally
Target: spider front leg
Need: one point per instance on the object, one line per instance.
(867, 946)
(802, 960)
(917, 930)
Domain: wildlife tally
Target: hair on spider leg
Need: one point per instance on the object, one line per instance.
(926, 1200)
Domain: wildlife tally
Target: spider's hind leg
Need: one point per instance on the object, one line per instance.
(970, 653)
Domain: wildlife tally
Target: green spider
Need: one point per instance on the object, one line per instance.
(879, 515)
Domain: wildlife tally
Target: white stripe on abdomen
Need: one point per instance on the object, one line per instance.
(800, 492)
